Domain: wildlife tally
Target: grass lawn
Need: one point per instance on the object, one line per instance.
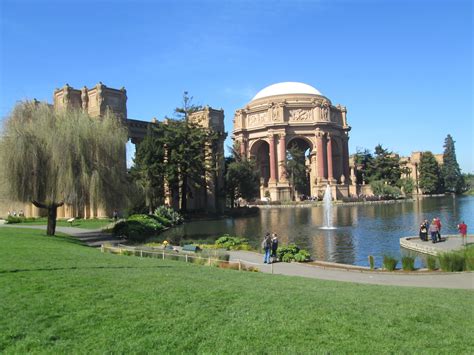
(78, 223)
(59, 296)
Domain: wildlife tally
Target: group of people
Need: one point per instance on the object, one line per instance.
(433, 230)
(270, 246)
(14, 214)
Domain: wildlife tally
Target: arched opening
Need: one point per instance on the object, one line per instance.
(260, 152)
(298, 167)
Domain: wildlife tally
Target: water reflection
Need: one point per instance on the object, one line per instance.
(362, 230)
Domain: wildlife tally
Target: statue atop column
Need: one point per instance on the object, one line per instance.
(84, 99)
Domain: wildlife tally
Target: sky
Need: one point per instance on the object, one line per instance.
(403, 69)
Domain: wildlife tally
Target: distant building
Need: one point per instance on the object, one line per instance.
(96, 101)
(412, 162)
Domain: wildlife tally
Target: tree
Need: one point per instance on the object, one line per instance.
(148, 170)
(188, 150)
(385, 166)
(296, 168)
(241, 177)
(451, 173)
(362, 160)
(50, 158)
(430, 175)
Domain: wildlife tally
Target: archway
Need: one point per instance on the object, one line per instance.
(260, 152)
(298, 166)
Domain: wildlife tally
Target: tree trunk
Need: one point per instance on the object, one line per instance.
(184, 193)
(52, 213)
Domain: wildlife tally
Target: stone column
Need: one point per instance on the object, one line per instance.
(320, 155)
(345, 156)
(282, 157)
(329, 158)
(273, 172)
(242, 148)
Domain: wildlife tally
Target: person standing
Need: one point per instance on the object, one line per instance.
(266, 246)
(423, 232)
(433, 231)
(274, 247)
(115, 215)
(438, 224)
(462, 228)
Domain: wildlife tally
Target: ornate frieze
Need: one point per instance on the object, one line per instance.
(256, 119)
(299, 115)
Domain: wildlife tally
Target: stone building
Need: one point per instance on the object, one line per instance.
(412, 163)
(291, 113)
(96, 101)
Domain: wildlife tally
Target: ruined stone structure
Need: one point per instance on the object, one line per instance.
(96, 101)
(286, 114)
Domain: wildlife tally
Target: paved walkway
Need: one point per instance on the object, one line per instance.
(463, 280)
(448, 243)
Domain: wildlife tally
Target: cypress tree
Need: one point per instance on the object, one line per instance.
(453, 179)
(430, 175)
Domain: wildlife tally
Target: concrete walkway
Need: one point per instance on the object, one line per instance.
(448, 243)
(460, 280)
(464, 280)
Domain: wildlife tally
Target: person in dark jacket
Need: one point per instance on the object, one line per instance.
(423, 232)
(274, 247)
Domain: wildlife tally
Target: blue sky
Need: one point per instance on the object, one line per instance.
(404, 69)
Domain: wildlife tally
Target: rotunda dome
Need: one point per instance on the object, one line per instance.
(286, 88)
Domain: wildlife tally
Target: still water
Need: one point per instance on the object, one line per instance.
(361, 230)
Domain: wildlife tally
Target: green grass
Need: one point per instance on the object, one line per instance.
(78, 223)
(60, 297)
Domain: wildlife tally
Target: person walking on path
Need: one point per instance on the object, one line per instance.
(274, 247)
(462, 228)
(266, 246)
(433, 231)
(438, 224)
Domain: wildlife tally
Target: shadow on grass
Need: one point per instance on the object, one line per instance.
(82, 268)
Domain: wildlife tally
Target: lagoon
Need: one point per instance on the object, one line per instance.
(361, 229)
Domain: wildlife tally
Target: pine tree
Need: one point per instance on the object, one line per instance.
(384, 166)
(453, 179)
(430, 175)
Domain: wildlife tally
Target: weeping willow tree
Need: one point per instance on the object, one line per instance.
(51, 158)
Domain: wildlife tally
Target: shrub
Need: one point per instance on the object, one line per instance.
(292, 253)
(371, 262)
(389, 262)
(232, 243)
(137, 227)
(431, 262)
(14, 219)
(170, 214)
(408, 263)
(452, 262)
(164, 221)
(302, 256)
(469, 256)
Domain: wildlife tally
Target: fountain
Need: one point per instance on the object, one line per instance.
(327, 206)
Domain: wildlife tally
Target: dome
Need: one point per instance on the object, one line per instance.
(286, 88)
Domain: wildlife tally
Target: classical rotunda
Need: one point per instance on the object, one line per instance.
(290, 114)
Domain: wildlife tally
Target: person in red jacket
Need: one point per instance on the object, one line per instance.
(438, 224)
(462, 228)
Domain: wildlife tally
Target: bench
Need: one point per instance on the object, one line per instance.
(71, 220)
(191, 247)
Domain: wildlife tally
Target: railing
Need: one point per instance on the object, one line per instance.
(180, 256)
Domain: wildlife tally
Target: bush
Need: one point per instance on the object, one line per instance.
(384, 190)
(170, 214)
(389, 262)
(292, 253)
(408, 263)
(451, 262)
(164, 221)
(469, 256)
(232, 243)
(371, 262)
(431, 262)
(302, 256)
(13, 219)
(137, 227)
